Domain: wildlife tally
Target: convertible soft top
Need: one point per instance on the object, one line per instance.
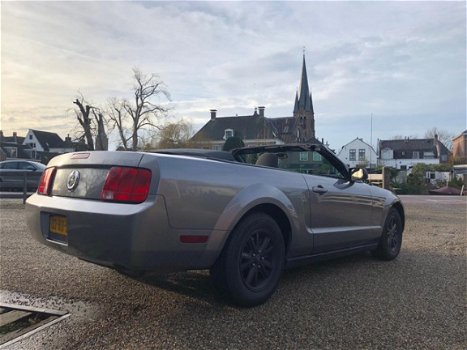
(200, 153)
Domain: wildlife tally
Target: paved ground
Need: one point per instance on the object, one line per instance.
(416, 301)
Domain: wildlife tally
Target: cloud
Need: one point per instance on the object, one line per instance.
(387, 58)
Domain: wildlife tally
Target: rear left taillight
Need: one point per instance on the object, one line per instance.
(123, 184)
(45, 183)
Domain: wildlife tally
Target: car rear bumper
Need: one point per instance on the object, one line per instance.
(130, 236)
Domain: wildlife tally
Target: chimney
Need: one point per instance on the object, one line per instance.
(68, 138)
(213, 113)
(14, 137)
(261, 111)
(1, 135)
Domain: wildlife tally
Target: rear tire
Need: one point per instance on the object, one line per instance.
(130, 273)
(391, 240)
(251, 264)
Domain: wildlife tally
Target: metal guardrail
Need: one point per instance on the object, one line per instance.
(21, 182)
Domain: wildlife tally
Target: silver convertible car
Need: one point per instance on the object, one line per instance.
(244, 215)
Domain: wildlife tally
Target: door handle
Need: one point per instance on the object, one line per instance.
(319, 189)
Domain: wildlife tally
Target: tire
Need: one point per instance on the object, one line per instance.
(130, 273)
(251, 263)
(391, 239)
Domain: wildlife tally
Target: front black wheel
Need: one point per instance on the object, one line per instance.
(391, 240)
(252, 261)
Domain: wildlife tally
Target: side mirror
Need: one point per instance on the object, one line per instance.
(359, 174)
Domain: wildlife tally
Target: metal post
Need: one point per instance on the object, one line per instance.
(25, 186)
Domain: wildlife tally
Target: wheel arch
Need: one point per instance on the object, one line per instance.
(277, 214)
(400, 209)
(271, 209)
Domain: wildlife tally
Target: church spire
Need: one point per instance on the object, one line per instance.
(305, 102)
(303, 113)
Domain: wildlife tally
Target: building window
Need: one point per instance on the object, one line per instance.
(352, 155)
(217, 147)
(303, 156)
(386, 153)
(228, 133)
(416, 155)
(12, 152)
(317, 157)
(428, 155)
(30, 137)
(361, 155)
(403, 167)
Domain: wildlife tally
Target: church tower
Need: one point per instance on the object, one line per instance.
(303, 113)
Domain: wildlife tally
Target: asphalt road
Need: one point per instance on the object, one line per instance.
(416, 301)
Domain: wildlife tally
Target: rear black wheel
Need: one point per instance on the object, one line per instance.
(252, 261)
(391, 240)
(129, 273)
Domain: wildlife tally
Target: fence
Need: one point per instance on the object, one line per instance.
(21, 180)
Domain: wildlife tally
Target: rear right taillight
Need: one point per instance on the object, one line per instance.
(45, 183)
(125, 184)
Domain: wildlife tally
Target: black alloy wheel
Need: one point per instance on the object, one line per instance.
(257, 260)
(251, 263)
(391, 239)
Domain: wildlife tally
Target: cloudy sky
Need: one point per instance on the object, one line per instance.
(404, 63)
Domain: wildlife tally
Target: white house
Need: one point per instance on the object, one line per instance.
(404, 154)
(358, 152)
(44, 141)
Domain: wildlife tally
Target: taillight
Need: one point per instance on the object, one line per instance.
(45, 183)
(126, 185)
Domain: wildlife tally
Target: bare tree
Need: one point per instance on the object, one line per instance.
(175, 135)
(117, 119)
(443, 136)
(131, 117)
(83, 114)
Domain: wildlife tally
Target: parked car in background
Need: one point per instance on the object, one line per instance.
(244, 215)
(12, 174)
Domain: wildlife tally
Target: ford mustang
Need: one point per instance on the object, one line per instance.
(245, 215)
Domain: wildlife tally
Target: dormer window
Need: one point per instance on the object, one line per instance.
(228, 133)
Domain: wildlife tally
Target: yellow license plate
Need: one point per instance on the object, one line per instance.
(58, 225)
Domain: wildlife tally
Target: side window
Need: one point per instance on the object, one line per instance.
(299, 161)
(25, 166)
(10, 165)
(311, 163)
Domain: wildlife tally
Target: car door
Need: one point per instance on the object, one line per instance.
(8, 178)
(341, 210)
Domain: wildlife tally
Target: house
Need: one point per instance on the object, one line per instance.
(405, 153)
(44, 141)
(257, 129)
(12, 147)
(357, 152)
(44, 145)
(459, 148)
